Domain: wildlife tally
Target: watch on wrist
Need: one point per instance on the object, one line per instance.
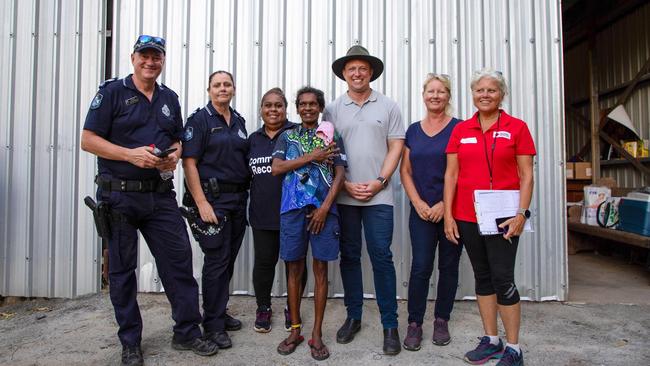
(383, 181)
(525, 212)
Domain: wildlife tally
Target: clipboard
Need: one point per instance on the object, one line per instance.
(493, 204)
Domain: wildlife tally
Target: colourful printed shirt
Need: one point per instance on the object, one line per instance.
(309, 184)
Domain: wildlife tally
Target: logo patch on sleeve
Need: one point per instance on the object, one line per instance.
(165, 110)
(189, 133)
(97, 101)
(242, 134)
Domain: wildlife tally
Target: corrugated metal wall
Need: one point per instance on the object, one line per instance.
(289, 43)
(621, 51)
(51, 60)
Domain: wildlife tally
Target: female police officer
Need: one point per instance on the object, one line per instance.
(216, 170)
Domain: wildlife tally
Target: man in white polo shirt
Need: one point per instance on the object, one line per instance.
(373, 134)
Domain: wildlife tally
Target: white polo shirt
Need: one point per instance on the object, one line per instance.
(365, 130)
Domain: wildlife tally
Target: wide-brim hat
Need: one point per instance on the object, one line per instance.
(358, 53)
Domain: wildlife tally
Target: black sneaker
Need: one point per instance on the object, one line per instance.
(132, 356)
(222, 339)
(232, 323)
(202, 347)
(263, 319)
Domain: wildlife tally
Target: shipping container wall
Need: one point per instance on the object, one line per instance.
(51, 61)
(285, 43)
(621, 50)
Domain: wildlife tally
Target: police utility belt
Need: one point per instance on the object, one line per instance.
(143, 186)
(215, 187)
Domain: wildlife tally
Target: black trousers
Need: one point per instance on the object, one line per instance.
(267, 250)
(493, 260)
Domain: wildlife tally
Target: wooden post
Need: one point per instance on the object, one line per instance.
(594, 111)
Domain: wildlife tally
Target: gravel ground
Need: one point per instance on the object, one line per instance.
(83, 332)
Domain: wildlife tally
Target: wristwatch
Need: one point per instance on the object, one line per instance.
(525, 212)
(383, 181)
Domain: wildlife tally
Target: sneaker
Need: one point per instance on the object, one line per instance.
(132, 356)
(202, 347)
(231, 323)
(511, 358)
(413, 337)
(263, 319)
(441, 335)
(484, 352)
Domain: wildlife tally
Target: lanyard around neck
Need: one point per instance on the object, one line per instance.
(494, 145)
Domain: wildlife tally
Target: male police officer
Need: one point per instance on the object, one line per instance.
(128, 122)
(373, 134)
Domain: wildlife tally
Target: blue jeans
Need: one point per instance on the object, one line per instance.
(377, 223)
(425, 237)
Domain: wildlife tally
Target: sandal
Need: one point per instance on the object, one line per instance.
(287, 348)
(321, 353)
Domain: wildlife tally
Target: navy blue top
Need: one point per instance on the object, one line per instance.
(221, 150)
(266, 189)
(428, 160)
(124, 116)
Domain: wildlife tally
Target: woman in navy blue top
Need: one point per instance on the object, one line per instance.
(422, 172)
(215, 152)
(264, 207)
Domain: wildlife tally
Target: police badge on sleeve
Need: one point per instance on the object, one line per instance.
(188, 134)
(165, 110)
(97, 101)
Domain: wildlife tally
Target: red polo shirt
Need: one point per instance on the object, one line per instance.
(474, 149)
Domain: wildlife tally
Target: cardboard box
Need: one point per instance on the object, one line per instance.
(632, 147)
(582, 170)
(570, 170)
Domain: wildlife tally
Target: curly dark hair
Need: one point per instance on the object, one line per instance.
(320, 96)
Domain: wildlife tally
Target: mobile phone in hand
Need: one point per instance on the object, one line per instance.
(165, 153)
(501, 220)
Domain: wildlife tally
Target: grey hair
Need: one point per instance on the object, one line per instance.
(490, 73)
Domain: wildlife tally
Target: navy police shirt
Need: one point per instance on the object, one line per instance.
(266, 190)
(124, 116)
(221, 150)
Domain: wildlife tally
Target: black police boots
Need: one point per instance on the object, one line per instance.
(392, 344)
(132, 356)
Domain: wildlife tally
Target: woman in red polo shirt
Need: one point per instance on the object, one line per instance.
(491, 150)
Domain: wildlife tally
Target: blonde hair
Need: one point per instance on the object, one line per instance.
(445, 81)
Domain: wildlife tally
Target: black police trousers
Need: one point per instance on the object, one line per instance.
(219, 256)
(157, 217)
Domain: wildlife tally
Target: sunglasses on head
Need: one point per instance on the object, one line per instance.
(145, 39)
(438, 76)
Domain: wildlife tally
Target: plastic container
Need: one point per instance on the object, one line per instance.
(634, 215)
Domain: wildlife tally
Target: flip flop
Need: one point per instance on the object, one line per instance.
(318, 356)
(290, 346)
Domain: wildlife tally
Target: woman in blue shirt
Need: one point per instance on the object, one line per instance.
(422, 172)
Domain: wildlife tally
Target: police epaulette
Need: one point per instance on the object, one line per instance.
(192, 114)
(166, 87)
(106, 82)
(237, 114)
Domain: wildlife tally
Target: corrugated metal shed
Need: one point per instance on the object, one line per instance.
(290, 43)
(621, 50)
(51, 60)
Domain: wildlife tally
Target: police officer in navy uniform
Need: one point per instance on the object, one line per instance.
(215, 150)
(129, 120)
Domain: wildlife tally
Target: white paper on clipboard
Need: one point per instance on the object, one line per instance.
(493, 204)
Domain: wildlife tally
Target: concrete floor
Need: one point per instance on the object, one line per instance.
(82, 332)
(598, 279)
